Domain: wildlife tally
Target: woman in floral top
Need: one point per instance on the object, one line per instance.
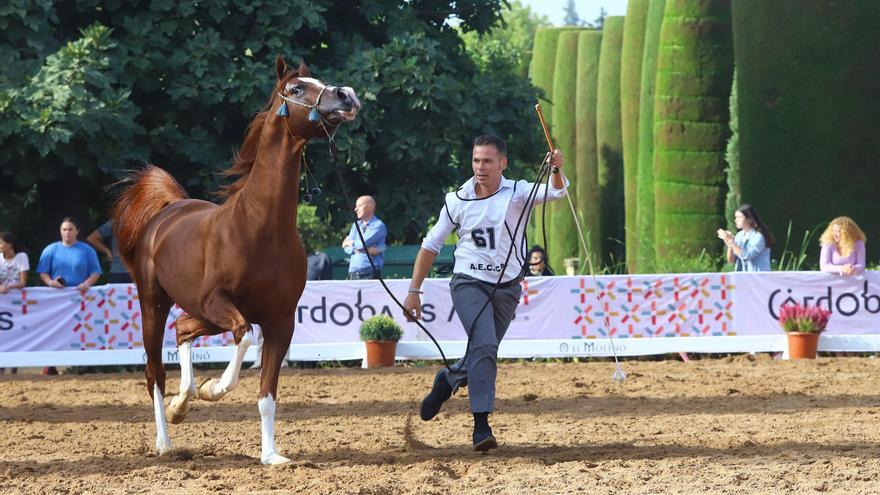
(13, 266)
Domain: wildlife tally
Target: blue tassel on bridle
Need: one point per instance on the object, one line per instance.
(282, 110)
(313, 115)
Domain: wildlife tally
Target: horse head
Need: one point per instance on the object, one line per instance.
(311, 107)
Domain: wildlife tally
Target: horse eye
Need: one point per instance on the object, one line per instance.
(296, 91)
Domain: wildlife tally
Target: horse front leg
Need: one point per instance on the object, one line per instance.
(179, 405)
(276, 340)
(218, 315)
(215, 389)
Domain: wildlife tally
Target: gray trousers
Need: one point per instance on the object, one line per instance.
(478, 372)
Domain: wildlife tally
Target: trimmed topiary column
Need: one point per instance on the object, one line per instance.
(562, 231)
(630, 87)
(610, 142)
(541, 72)
(587, 160)
(694, 73)
(645, 172)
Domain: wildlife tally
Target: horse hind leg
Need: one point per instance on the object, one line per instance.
(155, 305)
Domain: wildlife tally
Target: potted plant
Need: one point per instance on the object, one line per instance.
(380, 334)
(803, 324)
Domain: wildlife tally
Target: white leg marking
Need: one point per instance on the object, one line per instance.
(163, 442)
(179, 405)
(268, 455)
(215, 389)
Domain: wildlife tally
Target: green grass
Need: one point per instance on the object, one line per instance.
(793, 260)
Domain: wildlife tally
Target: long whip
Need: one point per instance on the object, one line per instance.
(619, 375)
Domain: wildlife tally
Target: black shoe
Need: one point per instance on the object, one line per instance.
(440, 393)
(484, 441)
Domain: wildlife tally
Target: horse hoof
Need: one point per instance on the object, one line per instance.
(163, 448)
(176, 412)
(274, 459)
(206, 391)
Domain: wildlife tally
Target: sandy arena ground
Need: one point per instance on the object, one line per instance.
(730, 425)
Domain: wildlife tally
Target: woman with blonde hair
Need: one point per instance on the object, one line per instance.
(843, 248)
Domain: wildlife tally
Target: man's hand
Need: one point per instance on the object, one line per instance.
(347, 242)
(373, 250)
(413, 307)
(556, 159)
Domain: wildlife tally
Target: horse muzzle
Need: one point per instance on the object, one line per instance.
(346, 106)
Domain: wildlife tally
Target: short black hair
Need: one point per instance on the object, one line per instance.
(8, 238)
(491, 140)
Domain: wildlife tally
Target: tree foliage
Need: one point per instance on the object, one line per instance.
(93, 88)
(508, 46)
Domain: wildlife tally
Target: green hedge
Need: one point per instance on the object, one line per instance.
(694, 72)
(808, 92)
(589, 46)
(610, 141)
(563, 232)
(630, 87)
(645, 171)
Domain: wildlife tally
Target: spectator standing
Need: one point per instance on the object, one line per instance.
(14, 264)
(749, 250)
(374, 236)
(69, 262)
(99, 239)
(538, 263)
(843, 248)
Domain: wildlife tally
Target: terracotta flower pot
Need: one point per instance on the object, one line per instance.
(381, 353)
(802, 345)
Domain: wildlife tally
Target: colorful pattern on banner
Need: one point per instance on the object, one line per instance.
(106, 317)
(552, 308)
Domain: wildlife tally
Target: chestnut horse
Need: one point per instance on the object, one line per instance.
(233, 264)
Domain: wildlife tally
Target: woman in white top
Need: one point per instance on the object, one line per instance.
(13, 266)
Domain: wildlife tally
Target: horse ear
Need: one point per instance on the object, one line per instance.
(304, 70)
(280, 67)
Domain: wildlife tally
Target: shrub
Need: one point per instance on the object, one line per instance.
(380, 328)
(807, 319)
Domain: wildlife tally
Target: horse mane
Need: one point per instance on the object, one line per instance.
(243, 159)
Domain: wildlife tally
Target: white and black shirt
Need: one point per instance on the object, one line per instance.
(486, 228)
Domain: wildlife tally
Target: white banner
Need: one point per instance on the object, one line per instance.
(854, 302)
(557, 316)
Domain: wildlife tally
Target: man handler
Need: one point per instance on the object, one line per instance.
(484, 210)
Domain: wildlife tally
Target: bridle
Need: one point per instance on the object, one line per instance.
(314, 115)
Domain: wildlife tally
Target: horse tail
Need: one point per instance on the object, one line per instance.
(150, 189)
